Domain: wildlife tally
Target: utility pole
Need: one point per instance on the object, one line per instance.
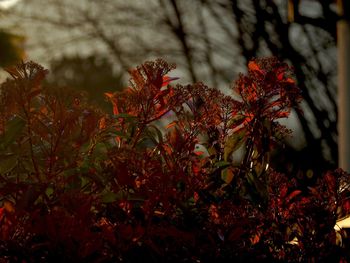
(343, 44)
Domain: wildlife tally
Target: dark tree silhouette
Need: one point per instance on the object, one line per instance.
(92, 75)
(209, 40)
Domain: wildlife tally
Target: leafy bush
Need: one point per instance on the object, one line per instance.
(78, 185)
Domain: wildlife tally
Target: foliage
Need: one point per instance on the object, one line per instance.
(11, 48)
(78, 185)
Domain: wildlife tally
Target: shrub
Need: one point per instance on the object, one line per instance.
(78, 185)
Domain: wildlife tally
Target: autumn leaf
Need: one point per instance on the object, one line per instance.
(253, 66)
(293, 195)
(227, 175)
(167, 80)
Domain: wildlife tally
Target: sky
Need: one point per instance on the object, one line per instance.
(7, 3)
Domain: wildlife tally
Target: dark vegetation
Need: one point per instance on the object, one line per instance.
(80, 185)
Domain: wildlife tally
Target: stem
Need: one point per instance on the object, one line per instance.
(29, 131)
(138, 134)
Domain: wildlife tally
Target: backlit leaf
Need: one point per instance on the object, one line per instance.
(167, 80)
(252, 65)
(227, 175)
(233, 142)
(293, 194)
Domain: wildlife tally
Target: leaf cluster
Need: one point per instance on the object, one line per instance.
(158, 177)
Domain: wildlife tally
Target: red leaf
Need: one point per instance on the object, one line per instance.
(290, 80)
(252, 65)
(126, 231)
(255, 239)
(171, 124)
(167, 80)
(236, 233)
(115, 108)
(2, 210)
(139, 231)
(109, 95)
(196, 168)
(102, 123)
(280, 76)
(293, 194)
(199, 153)
(195, 197)
(283, 191)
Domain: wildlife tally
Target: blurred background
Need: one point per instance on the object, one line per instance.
(90, 44)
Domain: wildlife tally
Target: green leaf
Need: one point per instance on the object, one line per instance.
(257, 184)
(158, 133)
(7, 163)
(11, 50)
(13, 131)
(49, 191)
(222, 164)
(212, 151)
(112, 131)
(136, 198)
(233, 142)
(236, 121)
(84, 182)
(227, 175)
(109, 197)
